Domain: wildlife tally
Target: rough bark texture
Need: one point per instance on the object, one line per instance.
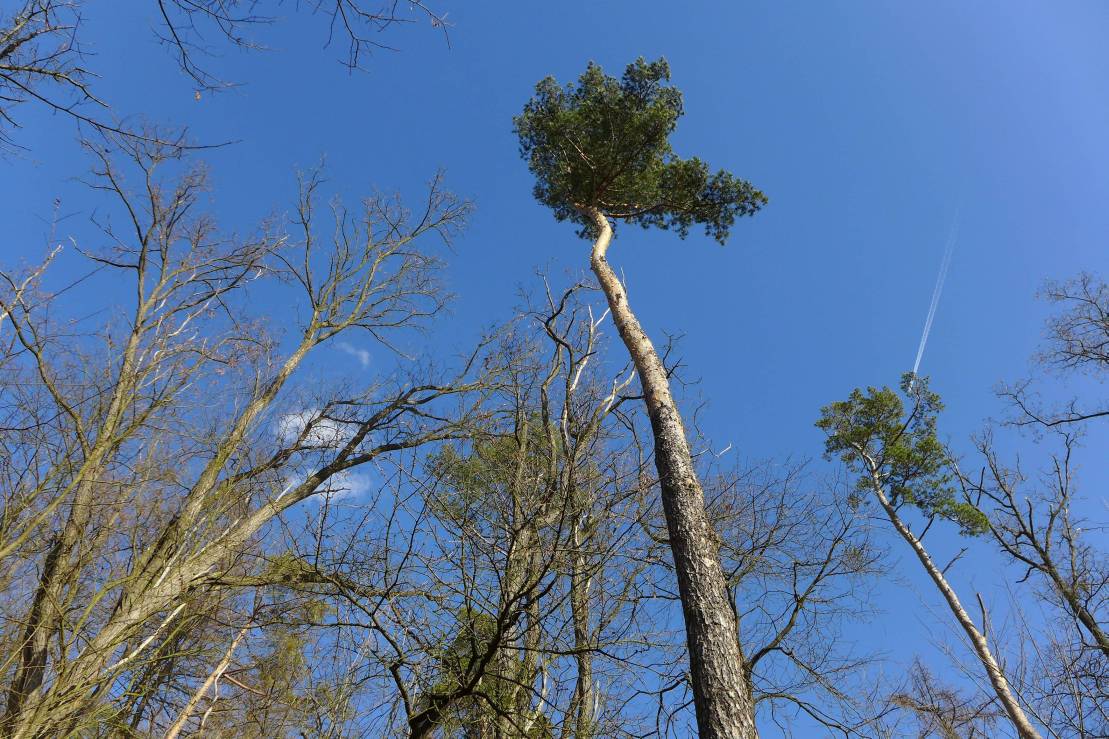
(1012, 707)
(720, 693)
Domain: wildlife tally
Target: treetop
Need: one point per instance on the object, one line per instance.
(603, 144)
(872, 433)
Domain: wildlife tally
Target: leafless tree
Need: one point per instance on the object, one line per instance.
(129, 497)
(1038, 521)
(1040, 531)
(188, 27)
(1061, 680)
(802, 560)
(945, 712)
(43, 58)
(493, 586)
(1077, 344)
(529, 519)
(40, 60)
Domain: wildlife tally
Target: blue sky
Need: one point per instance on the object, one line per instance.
(869, 125)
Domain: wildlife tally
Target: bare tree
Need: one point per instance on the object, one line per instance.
(490, 588)
(188, 25)
(40, 61)
(114, 428)
(1038, 520)
(1077, 344)
(1040, 531)
(1061, 680)
(945, 712)
(43, 59)
(519, 513)
(799, 562)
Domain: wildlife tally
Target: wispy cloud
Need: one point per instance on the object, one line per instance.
(346, 485)
(362, 355)
(322, 434)
(325, 433)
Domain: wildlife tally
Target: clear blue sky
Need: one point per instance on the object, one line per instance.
(868, 125)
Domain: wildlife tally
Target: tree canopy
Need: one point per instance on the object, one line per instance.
(873, 435)
(604, 144)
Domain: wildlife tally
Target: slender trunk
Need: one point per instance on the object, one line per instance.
(155, 582)
(518, 662)
(1085, 617)
(511, 672)
(527, 669)
(720, 694)
(1010, 535)
(977, 640)
(1073, 600)
(582, 704)
(62, 565)
(202, 691)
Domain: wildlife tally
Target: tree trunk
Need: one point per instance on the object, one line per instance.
(583, 701)
(213, 677)
(977, 640)
(1066, 590)
(720, 694)
(1077, 605)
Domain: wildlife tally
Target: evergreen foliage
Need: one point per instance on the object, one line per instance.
(909, 459)
(604, 143)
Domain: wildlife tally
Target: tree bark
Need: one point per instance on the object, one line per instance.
(582, 703)
(1077, 605)
(213, 678)
(61, 566)
(720, 693)
(978, 642)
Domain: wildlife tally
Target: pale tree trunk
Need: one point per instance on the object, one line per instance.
(583, 702)
(519, 579)
(720, 693)
(202, 691)
(520, 674)
(154, 585)
(978, 641)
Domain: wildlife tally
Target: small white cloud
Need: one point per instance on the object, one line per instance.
(345, 485)
(349, 484)
(362, 355)
(326, 433)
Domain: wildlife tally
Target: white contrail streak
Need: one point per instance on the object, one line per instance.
(952, 236)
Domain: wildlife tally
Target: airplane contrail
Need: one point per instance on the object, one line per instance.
(952, 236)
